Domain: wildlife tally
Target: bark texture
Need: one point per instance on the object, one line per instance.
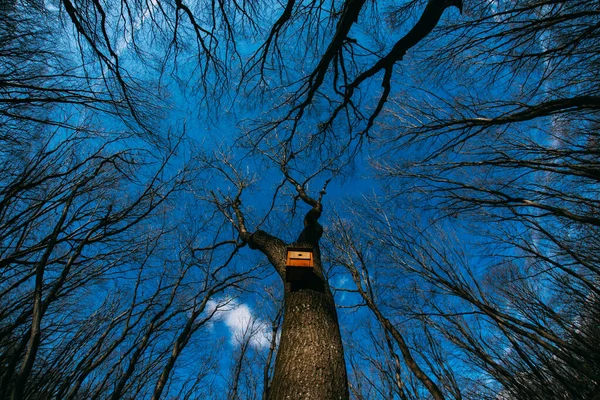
(310, 359)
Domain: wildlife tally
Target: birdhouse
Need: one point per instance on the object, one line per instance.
(299, 263)
(299, 257)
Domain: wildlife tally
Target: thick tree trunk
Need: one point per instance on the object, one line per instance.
(310, 359)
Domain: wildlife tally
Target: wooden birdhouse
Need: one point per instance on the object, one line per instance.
(299, 263)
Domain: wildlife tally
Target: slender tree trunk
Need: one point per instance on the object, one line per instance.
(273, 346)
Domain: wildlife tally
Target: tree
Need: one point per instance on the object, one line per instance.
(490, 229)
(310, 358)
(102, 289)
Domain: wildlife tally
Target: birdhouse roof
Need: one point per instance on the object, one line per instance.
(299, 248)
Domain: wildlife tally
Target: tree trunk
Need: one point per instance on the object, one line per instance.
(310, 359)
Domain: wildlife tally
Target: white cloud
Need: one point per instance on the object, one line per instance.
(240, 322)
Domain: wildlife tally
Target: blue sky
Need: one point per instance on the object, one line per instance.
(225, 128)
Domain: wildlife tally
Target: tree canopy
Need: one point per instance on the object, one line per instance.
(440, 158)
